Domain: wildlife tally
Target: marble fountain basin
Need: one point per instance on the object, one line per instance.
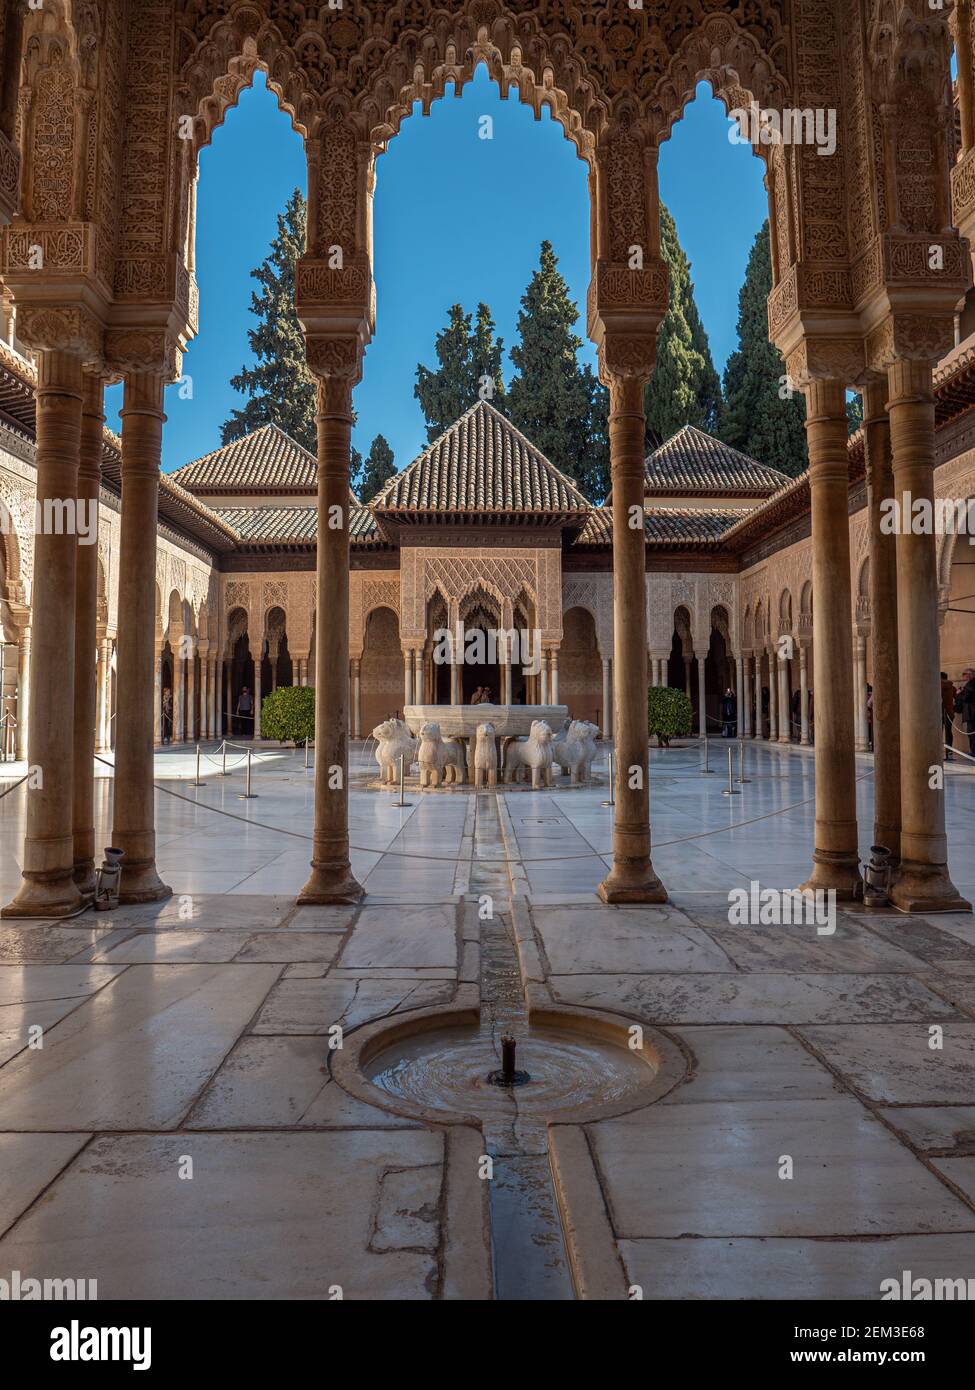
(461, 721)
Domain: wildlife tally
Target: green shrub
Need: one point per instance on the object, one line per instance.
(288, 714)
(668, 713)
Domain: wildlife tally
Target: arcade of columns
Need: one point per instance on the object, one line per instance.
(100, 129)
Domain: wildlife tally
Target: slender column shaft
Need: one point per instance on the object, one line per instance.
(924, 883)
(702, 703)
(745, 698)
(104, 679)
(803, 697)
(860, 693)
(545, 674)
(607, 700)
(179, 695)
(785, 702)
(134, 807)
(739, 695)
(961, 28)
(256, 726)
(882, 549)
(554, 679)
(835, 857)
(191, 695)
(157, 728)
(48, 887)
(758, 694)
(632, 878)
(773, 697)
(332, 880)
(420, 684)
(86, 639)
(356, 700)
(23, 692)
(407, 678)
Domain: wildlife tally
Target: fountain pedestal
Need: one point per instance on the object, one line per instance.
(460, 722)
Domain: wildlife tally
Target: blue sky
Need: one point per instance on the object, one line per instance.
(457, 219)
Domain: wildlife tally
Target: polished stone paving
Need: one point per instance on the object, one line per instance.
(170, 1124)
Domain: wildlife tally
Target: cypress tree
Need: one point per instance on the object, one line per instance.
(468, 370)
(763, 416)
(281, 388)
(685, 388)
(378, 469)
(553, 400)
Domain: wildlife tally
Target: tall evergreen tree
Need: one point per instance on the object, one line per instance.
(378, 469)
(553, 400)
(469, 369)
(280, 386)
(763, 416)
(685, 388)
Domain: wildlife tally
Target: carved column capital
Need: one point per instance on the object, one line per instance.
(150, 350)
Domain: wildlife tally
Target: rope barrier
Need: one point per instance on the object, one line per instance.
(14, 785)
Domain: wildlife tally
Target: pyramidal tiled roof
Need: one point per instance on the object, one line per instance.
(266, 460)
(692, 461)
(666, 525)
(267, 525)
(481, 464)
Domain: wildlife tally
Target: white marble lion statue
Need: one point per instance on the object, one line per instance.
(534, 752)
(438, 756)
(393, 739)
(486, 757)
(575, 751)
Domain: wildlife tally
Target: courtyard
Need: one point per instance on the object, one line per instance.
(185, 1129)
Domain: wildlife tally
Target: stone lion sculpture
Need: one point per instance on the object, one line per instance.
(575, 751)
(485, 757)
(393, 739)
(534, 752)
(437, 756)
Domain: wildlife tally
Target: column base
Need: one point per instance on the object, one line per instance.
(39, 897)
(142, 884)
(836, 872)
(926, 888)
(332, 883)
(632, 883)
(84, 877)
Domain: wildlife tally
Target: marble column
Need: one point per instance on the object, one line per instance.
(923, 884)
(157, 725)
(506, 686)
(803, 696)
(882, 549)
(860, 729)
(544, 675)
(607, 699)
(758, 695)
(407, 679)
(191, 693)
(179, 694)
(745, 699)
(739, 695)
(702, 701)
(23, 693)
(48, 888)
(356, 699)
(836, 856)
(258, 672)
(785, 701)
(419, 682)
(134, 802)
(104, 678)
(773, 697)
(331, 879)
(632, 878)
(553, 687)
(86, 638)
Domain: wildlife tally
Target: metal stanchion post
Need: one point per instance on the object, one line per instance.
(198, 782)
(247, 794)
(223, 750)
(402, 781)
(707, 768)
(306, 754)
(741, 763)
(731, 789)
(612, 780)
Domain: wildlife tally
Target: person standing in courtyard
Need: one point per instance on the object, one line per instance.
(729, 713)
(965, 706)
(245, 712)
(167, 715)
(948, 714)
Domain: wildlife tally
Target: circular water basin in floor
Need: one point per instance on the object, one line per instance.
(580, 1066)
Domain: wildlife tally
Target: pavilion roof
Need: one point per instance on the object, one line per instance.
(482, 464)
(268, 460)
(694, 463)
(293, 525)
(687, 527)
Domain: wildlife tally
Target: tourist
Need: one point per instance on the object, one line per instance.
(796, 708)
(965, 706)
(245, 712)
(948, 714)
(167, 715)
(729, 713)
(870, 716)
(766, 717)
(811, 717)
